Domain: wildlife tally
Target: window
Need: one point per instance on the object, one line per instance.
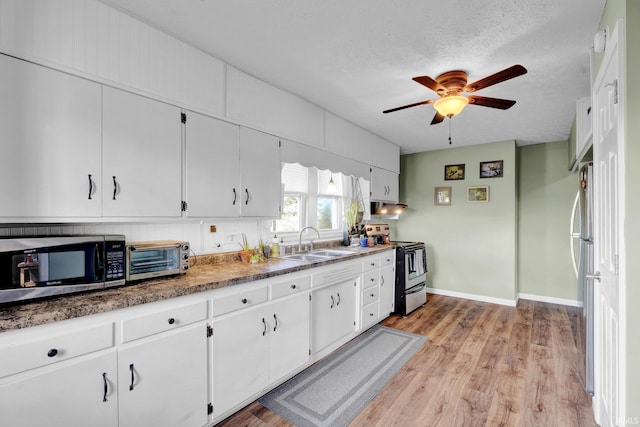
(311, 197)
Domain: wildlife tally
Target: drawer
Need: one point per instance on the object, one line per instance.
(370, 295)
(369, 315)
(339, 272)
(161, 321)
(289, 287)
(244, 299)
(387, 258)
(23, 356)
(370, 278)
(371, 263)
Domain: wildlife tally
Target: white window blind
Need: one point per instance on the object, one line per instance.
(295, 178)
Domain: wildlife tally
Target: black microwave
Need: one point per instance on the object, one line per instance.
(36, 267)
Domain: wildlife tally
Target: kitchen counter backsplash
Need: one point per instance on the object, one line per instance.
(209, 272)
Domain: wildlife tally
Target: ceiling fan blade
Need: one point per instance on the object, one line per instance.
(484, 101)
(430, 83)
(500, 76)
(428, 101)
(438, 118)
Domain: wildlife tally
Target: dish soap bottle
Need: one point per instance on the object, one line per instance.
(275, 246)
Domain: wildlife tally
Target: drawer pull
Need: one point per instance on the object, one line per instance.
(373, 295)
(133, 378)
(381, 280)
(264, 327)
(244, 300)
(172, 320)
(338, 303)
(371, 314)
(53, 352)
(293, 286)
(276, 320)
(332, 301)
(372, 279)
(373, 264)
(105, 387)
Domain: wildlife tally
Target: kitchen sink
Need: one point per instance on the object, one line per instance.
(307, 257)
(331, 253)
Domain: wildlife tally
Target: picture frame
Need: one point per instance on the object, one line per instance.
(478, 194)
(492, 169)
(454, 172)
(442, 196)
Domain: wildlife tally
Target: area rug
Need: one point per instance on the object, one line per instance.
(335, 389)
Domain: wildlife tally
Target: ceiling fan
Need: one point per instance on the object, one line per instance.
(450, 85)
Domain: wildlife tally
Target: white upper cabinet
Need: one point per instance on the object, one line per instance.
(50, 158)
(384, 186)
(255, 103)
(388, 156)
(260, 168)
(583, 126)
(213, 174)
(142, 156)
(348, 140)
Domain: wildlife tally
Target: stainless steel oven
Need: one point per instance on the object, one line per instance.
(411, 277)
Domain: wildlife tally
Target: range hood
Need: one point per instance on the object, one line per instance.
(382, 208)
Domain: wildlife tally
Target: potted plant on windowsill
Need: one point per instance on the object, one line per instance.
(246, 251)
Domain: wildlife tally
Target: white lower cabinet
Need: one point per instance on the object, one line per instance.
(163, 381)
(334, 311)
(77, 394)
(254, 347)
(387, 289)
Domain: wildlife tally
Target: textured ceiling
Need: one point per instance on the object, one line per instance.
(356, 58)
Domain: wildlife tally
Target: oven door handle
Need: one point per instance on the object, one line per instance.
(415, 289)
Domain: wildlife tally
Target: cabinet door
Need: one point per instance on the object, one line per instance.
(240, 358)
(387, 285)
(73, 395)
(163, 382)
(213, 177)
(334, 312)
(142, 156)
(260, 173)
(50, 157)
(288, 335)
(384, 185)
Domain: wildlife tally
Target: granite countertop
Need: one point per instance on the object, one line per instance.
(208, 273)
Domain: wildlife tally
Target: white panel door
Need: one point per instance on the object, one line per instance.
(50, 158)
(608, 172)
(142, 156)
(79, 394)
(260, 174)
(213, 175)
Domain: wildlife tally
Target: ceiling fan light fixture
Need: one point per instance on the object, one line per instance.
(451, 105)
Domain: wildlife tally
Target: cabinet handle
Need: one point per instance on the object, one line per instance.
(172, 320)
(235, 197)
(373, 295)
(244, 300)
(90, 186)
(53, 352)
(293, 286)
(381, 280)
(133, 378)
(371, 314)
(332, 301)
(338, 303)
(246, 190)
(276, 320)
(104, 385)
(115, 187)
(264, 327)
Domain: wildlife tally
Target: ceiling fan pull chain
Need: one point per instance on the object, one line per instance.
(449, 130)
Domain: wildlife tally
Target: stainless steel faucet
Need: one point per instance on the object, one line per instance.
(300, 237)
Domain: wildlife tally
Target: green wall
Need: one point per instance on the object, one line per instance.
(546, 192)
(471, 247)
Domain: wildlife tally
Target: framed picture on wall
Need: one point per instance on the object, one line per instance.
(442, 196)
(492, 169)
(454, 172)
(479, 194)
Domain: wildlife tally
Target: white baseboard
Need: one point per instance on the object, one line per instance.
(551, 300)
(473, 297)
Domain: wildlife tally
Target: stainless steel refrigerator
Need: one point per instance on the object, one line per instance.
(582, 246)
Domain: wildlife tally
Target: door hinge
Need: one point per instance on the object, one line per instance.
(183, 117)
(309, 297)
(183, 206)
(209, 331)
(209, 409)
(279, 143)
(309, 352)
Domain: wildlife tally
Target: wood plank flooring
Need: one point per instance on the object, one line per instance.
(484, 365)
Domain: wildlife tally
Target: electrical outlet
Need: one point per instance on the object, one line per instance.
(212, 228)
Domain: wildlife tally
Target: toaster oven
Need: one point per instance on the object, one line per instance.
(146, 260)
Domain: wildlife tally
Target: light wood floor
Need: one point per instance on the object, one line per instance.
(484, 365)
